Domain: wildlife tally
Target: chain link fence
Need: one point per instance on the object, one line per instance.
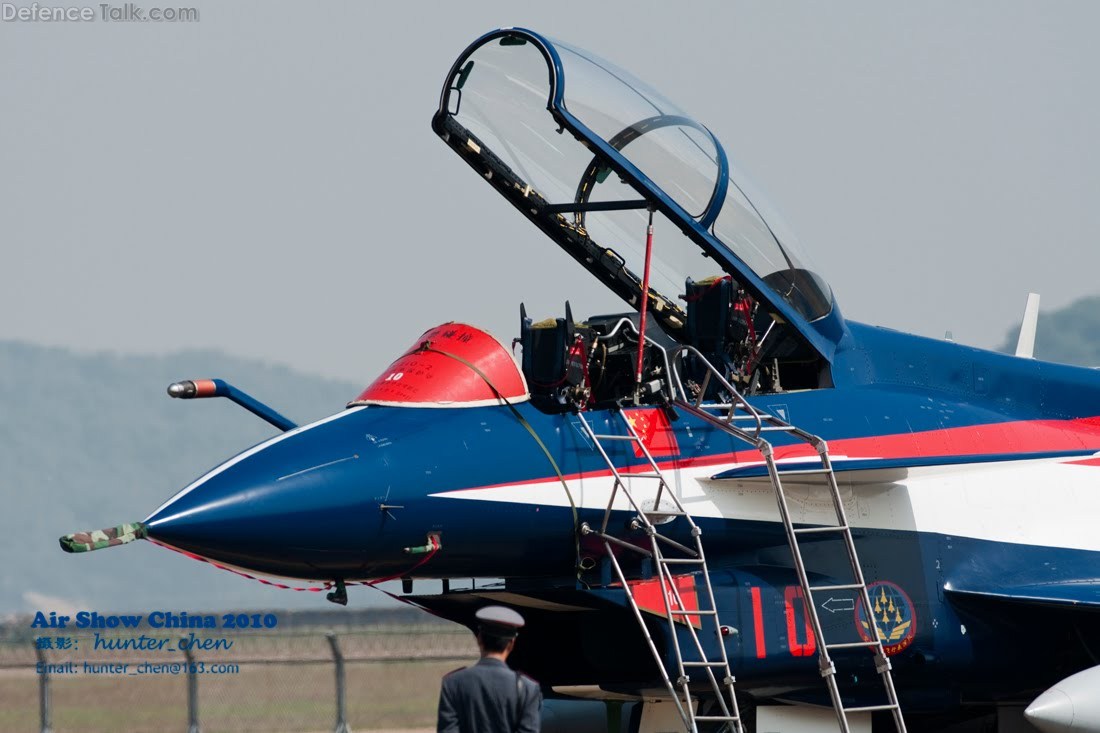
(379, 677)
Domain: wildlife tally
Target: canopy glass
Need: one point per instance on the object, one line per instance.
(584, 149)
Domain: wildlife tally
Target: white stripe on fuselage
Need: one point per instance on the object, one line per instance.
(251, 452)
(1037, 502)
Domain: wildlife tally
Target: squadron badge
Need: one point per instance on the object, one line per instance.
(892, 615)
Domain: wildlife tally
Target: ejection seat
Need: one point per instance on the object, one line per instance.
(709, 310)
(554, 362)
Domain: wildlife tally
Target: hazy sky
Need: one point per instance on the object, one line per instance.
(265, 181)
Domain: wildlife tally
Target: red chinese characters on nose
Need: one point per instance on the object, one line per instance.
(450, 365)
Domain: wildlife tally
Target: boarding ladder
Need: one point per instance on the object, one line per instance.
(717, 668)
(741, 420)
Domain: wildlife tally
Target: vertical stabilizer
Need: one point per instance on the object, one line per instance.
(1025, 346)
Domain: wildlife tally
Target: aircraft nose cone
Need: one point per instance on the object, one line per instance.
(295, 505)
(1052, 712)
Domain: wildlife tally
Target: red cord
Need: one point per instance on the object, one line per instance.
(328, 584)
(645, 299)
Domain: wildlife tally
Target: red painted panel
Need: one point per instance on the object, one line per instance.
(647, 594)
(653, 427)
(428, 373)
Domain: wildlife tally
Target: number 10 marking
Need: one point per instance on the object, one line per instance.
(792, 595)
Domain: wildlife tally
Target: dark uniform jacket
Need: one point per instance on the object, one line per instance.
(489, 698)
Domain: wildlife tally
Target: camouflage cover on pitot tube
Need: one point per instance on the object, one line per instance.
(100, 538)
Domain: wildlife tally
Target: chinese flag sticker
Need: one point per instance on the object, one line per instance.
(653, 427)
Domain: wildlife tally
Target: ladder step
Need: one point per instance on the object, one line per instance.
(800, 471)
(673, 543)
(727, 418)
(852, 645)
(777, 429)
(692, 559)
(870, 708)
(820, 530)
(847, 586)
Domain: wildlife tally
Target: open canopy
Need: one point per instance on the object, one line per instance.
(585, 150)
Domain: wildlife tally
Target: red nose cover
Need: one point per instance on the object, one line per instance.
(430, 375)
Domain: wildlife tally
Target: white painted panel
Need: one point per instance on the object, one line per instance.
(660, 717)
(791, 719)
(987, 501)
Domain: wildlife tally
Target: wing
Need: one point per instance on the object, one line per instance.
(884, 470)
(1082, 593)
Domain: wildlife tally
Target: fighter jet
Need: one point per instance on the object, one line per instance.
(727, 507)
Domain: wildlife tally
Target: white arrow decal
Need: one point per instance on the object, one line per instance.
(833, 605)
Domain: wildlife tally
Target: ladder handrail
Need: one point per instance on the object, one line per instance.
(670, 593)
(761, 421)
(775, 471)
(739, 402)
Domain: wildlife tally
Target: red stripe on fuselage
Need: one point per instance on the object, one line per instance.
(1023, 436)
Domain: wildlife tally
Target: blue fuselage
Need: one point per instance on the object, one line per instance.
(343, 499)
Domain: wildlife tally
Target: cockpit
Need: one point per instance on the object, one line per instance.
(644, 197)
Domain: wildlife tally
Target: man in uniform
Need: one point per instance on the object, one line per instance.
(490, 697)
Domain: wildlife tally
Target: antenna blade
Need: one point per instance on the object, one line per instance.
(1025, 346)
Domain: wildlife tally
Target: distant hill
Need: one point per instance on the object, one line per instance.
(89, 441)
(1070, 335)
